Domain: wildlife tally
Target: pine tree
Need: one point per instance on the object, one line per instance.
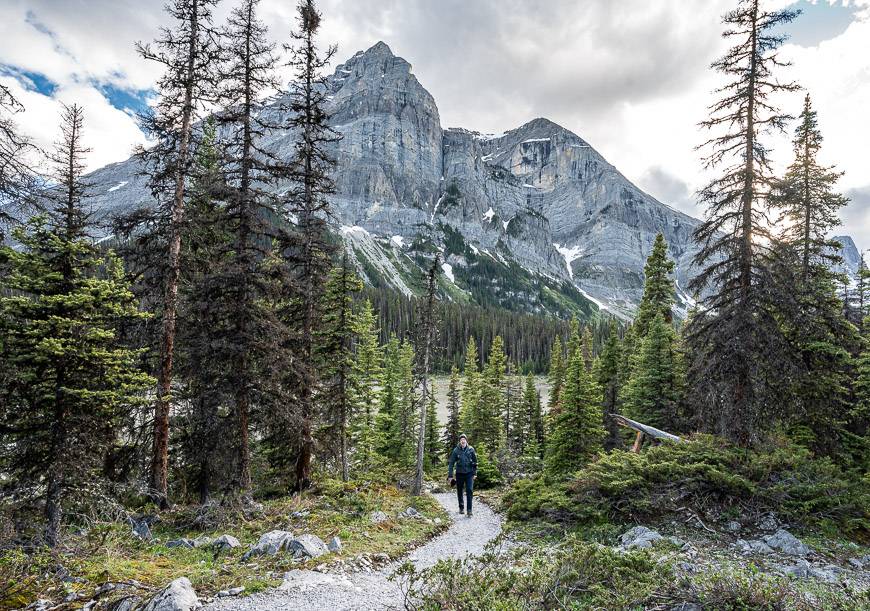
(816, 327)
(187, 54)
(654, 392)
(469, 416)
(258, 351)
(587, 348)
(433, 447)
(67, 378)
(341, 371)
(388, 412)
(525, 425)
(489, 424)
(556, 376)
(577, 432)
(206, 250)
(426, 333)
(452, 430)
(658, 288)
(364, 388)
(310, 187)
(402, 439)
(739, 359)
(609, 380)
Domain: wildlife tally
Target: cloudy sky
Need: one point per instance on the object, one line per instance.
(631, 77)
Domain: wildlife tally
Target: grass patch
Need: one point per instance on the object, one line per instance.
(110, 553)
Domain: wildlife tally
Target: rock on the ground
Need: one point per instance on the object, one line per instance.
(128, 603)
(182, 542)
(308, 545)
(141, 529)
(733, 526)
(231, 591)
(410, 512)
(334, 545)
(377, 517)
(804, 570)
(201, 541)
(639, 537)
(787, 543)
(226, 541)
(177, 596)
(270, 544)
(753, 546)
(768, 522)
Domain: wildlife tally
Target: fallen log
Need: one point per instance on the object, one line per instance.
(643, 429)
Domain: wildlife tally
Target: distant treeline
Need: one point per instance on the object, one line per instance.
(528, 338)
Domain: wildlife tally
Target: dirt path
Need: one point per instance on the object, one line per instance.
(314, 591)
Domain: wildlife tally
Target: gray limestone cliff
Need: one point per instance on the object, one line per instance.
(533, 219)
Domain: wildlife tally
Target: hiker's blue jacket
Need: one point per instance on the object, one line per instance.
(464, 459)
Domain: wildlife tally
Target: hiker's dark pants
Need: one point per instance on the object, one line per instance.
(464, 483)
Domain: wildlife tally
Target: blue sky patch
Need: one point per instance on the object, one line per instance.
(131, 101)
(32, 81)
(819, 21)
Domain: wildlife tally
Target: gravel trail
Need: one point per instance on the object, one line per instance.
(314, 591)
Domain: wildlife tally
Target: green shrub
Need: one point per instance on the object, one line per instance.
(707, 475)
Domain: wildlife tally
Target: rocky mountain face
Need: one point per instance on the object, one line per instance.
(532, 219)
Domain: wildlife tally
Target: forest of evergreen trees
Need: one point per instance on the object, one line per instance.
(220, 352)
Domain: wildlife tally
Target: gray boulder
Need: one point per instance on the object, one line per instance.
(638, 537)
(226, 541)
(410, 512)
(733, 526)
(377, 517)
(141, 529)
(787, 543)
(334, 545)
(231, 592)
(201, 541)
(308, 545)
(177, 596)
(270, 544)
(753, 546)
(187, 543)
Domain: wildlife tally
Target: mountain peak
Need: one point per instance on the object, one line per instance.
(380, 49)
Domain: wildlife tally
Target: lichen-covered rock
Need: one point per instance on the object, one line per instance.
(308, 545)
(638, 537)
(335, 545)
(753, 546)
(177, 596)
(270, 544)
(377, 517)
(226, 541)
(787, 543)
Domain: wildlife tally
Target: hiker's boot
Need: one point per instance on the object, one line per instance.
(470, 514)
(461, 511)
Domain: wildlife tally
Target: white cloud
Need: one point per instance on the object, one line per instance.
(631, 77)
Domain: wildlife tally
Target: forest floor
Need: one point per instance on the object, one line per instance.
(334, 587)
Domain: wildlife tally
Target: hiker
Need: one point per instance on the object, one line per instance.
(465, 459)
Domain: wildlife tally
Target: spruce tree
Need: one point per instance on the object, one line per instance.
(433, 447)
(187, 54)
(556, 376)
(365, 388)
(310, 187)
(341, 372)
(469, 416)
(402, 439)
(68, 379)
(385, 420)
(658, 288)
(257, 353)
(489, 430)
(577, 433)
(426, 334)
(454, 405)
(609, 380)
(739, 358)
(654, 393)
